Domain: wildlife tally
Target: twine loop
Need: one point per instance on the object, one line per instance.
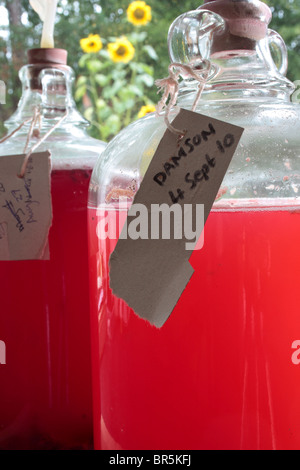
(170, 88)
(34, 131)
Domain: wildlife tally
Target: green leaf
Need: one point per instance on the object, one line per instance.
(94, 65)
(109, 92)
(83, 59)
(151, 52)
(135, 90)
(81, 80)
(139, 67)
(125, 93)
(101, 104)
(114, 122)
(136, 67)
(136, 37)
(104, 54)
(118, 73)
(129, 103)
(88, 114)
(148, 69)
(101, 79)
(119, 106)
(104, 113)
(80, 92)
(146, 79)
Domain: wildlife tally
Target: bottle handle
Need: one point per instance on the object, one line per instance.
(278, 51)
(191, 36)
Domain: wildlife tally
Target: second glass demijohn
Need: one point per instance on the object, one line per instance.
(220, 372)
(45, 391)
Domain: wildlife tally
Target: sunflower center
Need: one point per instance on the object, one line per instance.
(91, 44)
(139, 13)
(121, 50)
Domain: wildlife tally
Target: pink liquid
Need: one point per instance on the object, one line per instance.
(219, 374)
(45, 385)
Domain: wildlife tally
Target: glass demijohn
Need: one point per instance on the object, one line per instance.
(220, 374)
(45, 393)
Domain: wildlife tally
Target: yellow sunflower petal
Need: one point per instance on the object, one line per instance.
(139, 13)
(121, 50)
(91, 44)
(149, 108)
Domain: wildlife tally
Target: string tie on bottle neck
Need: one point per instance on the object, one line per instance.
(34, 130)
(170, 88)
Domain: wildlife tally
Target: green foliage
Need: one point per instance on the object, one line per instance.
(114, 91)
(78, 18)
(286, 21)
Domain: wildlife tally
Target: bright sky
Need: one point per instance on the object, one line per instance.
(3, 17)
(61, 4)
(3, 22)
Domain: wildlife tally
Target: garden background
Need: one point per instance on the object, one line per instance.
(111, 92)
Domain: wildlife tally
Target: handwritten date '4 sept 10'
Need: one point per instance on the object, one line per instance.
(200, 175)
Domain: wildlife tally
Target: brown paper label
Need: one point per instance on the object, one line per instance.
(25, 207)
(148, 271)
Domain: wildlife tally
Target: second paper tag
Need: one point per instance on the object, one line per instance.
(25, 207)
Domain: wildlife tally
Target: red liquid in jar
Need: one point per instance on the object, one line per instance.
(219, 374)
(45, 385)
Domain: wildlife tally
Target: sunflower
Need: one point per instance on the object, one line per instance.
(91, 44)
(139, 13)
(121, 50)
(149, 108)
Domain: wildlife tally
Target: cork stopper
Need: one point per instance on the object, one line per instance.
(40, 59)
(247, 22)
(47, 56)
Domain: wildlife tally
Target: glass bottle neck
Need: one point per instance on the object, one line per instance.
(49, 91)
(234, 37)
(243, 74)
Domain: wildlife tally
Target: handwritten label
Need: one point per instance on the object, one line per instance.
(25, 207)
(150, 275)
